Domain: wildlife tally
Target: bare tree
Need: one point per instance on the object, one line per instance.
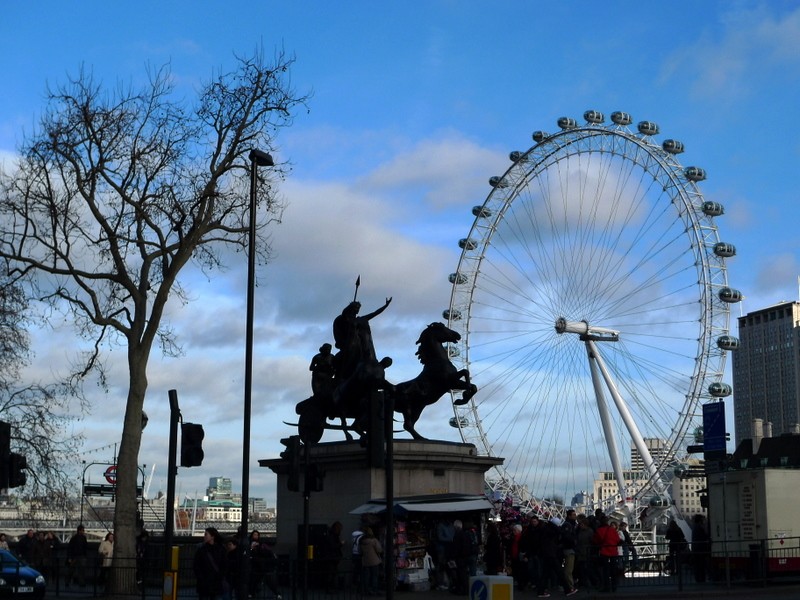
(40, 415)
(117, 192)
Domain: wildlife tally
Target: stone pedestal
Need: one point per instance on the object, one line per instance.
(421, 468)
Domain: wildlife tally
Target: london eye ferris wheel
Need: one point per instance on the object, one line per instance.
(592, 299)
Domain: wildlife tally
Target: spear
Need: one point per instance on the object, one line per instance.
(358, 283)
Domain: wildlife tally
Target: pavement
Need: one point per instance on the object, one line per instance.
(782, 591)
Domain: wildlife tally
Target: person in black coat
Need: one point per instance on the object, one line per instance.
(493, 555)
(210, 561)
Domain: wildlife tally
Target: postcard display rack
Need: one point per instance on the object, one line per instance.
(412, 562)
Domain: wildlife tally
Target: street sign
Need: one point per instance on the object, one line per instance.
(111, 474)
(714, 446)
(102, 489)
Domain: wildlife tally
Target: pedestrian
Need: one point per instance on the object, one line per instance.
(473, 548)
(701, 548)
(493, 556)
(371, 551)
(106, 553)
(355, 553)
(676, 547)
(77, 552)
(550, 559)
(209, 565)
(268, 563)
(25, 545)
(50, 551)
(630, 557)
(332, 555)
(39, 552)
(606, 539)
(518, 566)
(459, 560)
(444, 540)
(3, 542)
(585, 573)
(142, 544)
(569, 540)
(233, 569)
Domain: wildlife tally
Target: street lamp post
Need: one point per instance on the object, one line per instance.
(257, 159)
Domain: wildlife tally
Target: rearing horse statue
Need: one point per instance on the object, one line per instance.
(438, 377)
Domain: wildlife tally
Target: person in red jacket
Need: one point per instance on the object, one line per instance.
(606, 538)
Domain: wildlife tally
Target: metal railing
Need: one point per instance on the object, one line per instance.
(733, 563)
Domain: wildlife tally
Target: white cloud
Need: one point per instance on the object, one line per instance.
(731, 63)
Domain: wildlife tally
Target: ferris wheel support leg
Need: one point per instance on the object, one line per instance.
(605, 419)
(630, 424)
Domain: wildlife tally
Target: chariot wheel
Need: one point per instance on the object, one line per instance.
(592, 298)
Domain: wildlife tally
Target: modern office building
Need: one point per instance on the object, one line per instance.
(766, 371)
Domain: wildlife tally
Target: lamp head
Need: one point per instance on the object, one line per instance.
(261, 158)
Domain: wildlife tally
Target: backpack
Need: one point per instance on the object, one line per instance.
(357, 545)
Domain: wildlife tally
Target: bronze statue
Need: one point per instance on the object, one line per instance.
(343, 384)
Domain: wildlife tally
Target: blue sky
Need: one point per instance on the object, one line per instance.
(414, 107)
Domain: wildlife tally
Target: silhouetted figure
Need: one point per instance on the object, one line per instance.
(322, 370)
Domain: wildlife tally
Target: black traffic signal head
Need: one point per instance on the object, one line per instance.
(192, 435)
(315, 478)
(17, 464)
(5, 451)
(292, 457)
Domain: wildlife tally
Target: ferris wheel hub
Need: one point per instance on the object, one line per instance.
(586, 331)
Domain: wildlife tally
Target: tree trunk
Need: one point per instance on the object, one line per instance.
(125, 521)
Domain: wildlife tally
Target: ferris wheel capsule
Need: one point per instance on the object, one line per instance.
(451, 314)
(647, 128)
(458, 422)
(728, 342)
(481, 211)
(567, 123)
(457, 278)
(713, 209)
(672, 146)
(719, 389)
(594, 116)
(467, 244)
(497, 182)
(695, 173)
(516, 156)
(621, 118)
(730, 295)
(724, 249)
(660, 501)
(538, 136)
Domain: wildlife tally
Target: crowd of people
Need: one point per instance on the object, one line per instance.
(39, 550)
(543, 554)
(593, 551)
(221, 571)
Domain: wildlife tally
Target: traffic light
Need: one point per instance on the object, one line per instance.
(315, 478)
(5, 451)
(192, 453)
(376, 453)
(17, 464)
(292, 456)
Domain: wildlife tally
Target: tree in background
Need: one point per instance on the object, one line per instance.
(115, 193)
(40, 415)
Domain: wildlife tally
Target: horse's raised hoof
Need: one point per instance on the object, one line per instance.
(461, 401)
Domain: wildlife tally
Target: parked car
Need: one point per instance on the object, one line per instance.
(18, 580)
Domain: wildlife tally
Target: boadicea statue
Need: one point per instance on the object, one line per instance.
(343, 383)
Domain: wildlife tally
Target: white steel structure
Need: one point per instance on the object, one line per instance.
(593, 270)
